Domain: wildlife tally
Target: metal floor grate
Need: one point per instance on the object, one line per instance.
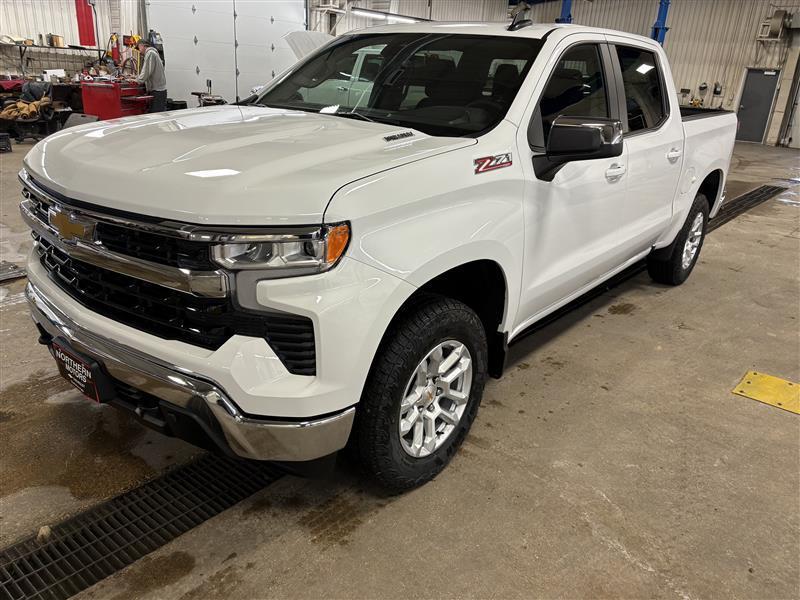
(99, 542)
(741, 204)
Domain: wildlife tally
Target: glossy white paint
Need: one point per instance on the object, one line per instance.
(247, 368)
(417, 232)
(416, 208)
(223, 165)
(708, 146)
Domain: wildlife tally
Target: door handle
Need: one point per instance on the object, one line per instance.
(341, 88)
(674, 154)
(615, 171)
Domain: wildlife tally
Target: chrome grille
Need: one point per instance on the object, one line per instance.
(164, 285)
(155, 248)
(205, 322)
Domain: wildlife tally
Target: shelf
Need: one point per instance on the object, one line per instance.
(57, 48)
(23, 49)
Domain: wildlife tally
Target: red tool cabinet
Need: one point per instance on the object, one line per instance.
(111, 99)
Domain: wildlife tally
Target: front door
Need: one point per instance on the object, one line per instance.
(755, 106)
(572, 219)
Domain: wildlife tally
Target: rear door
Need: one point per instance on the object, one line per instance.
(334, 90)
(654, 139)
(367, 69)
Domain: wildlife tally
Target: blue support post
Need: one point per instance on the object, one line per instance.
(566, 12)
(660, 28)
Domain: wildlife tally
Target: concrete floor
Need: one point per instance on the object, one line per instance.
(610, 461)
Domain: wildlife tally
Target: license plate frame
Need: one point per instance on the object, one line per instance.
(82, 371)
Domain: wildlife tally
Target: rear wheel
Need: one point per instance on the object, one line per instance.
(422, 394)
(675, 268)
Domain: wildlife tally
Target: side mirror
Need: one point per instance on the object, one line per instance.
(583, 138)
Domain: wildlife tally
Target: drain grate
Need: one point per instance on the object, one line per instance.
(741, 204)
(99, 542)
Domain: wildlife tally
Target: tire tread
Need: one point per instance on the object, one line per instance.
(373, 428)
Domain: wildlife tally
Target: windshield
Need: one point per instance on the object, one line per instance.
(448, 85)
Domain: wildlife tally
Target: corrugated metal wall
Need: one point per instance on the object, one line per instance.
(708, 41)
(437, 10)
(29, 18)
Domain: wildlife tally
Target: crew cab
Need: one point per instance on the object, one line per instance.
(317, 267)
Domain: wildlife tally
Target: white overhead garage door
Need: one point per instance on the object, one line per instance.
(237, 44)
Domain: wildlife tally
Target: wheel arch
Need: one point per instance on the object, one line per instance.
(482, 285)
(711, 188)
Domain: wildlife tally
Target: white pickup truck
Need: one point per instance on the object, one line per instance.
(311, 268)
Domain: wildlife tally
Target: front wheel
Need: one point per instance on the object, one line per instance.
(422, 394)
(675, 268)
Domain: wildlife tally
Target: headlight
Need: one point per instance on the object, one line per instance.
(302, 252)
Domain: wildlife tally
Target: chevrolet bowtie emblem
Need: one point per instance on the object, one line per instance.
(69, 226)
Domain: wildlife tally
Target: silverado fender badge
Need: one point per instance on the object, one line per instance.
(490, 163)
(399, 136)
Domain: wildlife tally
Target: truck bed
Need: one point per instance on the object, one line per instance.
(689, 113)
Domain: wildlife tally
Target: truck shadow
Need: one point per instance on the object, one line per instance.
(598, 300)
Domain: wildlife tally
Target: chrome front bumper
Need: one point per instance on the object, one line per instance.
(247, 437)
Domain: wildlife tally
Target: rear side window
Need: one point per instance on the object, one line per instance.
(644, 94)
(576, 88)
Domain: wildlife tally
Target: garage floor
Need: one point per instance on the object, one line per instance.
(611, 460)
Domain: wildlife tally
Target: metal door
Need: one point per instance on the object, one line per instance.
(755, 106)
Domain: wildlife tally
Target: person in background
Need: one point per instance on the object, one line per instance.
(152, 76)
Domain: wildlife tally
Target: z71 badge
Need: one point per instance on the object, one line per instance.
(490, 163)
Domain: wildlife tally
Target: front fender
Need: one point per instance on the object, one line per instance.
(425, 218)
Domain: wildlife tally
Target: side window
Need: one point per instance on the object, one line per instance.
(644, 96)
(576, 87)
(370, 67)
(345, 68)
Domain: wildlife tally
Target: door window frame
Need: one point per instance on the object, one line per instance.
(535, 131)
(623, 107)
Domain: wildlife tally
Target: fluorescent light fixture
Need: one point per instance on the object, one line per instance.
(383, 16)
(367, 13)
(213, 173)
(644, 68)
(401, 19)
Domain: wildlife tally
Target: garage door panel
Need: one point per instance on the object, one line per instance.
(259, 26)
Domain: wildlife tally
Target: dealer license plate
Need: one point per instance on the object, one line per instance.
(82, 371)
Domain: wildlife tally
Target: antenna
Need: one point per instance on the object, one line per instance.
(518, 22)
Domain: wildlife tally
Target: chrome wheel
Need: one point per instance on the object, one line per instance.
(693, 241)
(435, 398)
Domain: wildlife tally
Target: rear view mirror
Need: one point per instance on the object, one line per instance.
(583, 138)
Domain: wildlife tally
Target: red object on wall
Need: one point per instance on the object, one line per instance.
(86, 36)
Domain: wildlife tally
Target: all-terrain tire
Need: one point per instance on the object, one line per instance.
(429, 321)
(673, 269)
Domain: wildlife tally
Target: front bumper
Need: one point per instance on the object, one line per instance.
(191, 403)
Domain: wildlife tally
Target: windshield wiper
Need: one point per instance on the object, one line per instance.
(352, 115)
(363, 117)
(284, 107)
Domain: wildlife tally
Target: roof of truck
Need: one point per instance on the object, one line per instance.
(535, 30)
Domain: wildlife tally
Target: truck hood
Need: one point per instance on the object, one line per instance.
(227, 165)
